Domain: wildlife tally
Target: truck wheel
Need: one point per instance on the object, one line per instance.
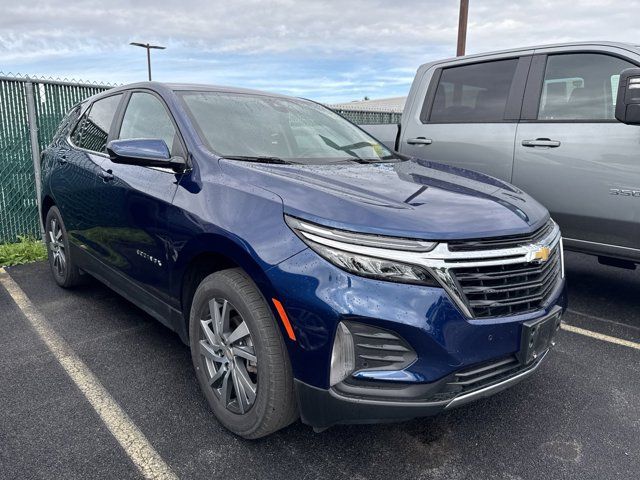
(239, 356)
(64, 270)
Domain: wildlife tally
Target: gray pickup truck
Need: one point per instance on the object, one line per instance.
(558, 121)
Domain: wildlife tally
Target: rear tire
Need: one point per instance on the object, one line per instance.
(234, 339)
(64, 270)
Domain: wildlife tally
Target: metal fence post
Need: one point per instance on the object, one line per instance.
(35, 148)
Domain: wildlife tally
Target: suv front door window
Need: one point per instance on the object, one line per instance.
(146, 117)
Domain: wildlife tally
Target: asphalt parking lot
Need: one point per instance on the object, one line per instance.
(579, 417)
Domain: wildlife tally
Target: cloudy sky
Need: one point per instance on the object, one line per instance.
(324, 49)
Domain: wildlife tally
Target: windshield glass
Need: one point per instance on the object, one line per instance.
(241, 125)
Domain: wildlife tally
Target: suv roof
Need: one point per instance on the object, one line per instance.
(176, 87)
(191, 86)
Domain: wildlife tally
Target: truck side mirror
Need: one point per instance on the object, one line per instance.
(628, 99)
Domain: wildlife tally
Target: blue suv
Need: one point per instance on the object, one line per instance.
(313, 272)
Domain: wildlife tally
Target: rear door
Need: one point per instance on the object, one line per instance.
(74, 179)
(571, 153)
(468, 114)
(134, 201)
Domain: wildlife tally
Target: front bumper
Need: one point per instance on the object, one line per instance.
(322, 408)
(318, 296)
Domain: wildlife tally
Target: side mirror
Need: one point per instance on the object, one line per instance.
(628, 99)
(144, 152)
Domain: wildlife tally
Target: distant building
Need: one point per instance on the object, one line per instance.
(390, 105)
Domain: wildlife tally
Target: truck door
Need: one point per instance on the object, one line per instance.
(468, 115)
(571, 153)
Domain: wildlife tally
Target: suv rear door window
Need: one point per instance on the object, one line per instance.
(473, 93)
(580, 86)
(92, 130)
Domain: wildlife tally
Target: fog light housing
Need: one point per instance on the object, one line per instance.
(342, 356)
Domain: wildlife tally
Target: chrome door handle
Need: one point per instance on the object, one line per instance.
(419, 141)
(106, 176)
(541, 142)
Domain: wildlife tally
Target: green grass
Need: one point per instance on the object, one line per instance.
(26, 250)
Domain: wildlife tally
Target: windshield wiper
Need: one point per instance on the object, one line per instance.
(345, 148)
(389, 159)
(260, 159)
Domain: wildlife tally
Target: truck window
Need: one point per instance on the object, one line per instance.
(473, 93)
(580, 86)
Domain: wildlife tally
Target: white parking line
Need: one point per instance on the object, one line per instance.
(600, 336)
(601, 319)
(130, 438)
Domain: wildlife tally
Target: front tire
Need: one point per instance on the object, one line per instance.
(239, 356)
(64, 270)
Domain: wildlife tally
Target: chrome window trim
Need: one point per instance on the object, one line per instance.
(439, 261)
(85, 150)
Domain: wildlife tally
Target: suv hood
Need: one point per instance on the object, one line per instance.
(414, 198)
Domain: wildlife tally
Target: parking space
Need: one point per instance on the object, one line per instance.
(578, 417)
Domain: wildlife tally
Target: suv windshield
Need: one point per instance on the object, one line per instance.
(264, 128)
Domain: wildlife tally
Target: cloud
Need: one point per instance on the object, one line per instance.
(330, 50)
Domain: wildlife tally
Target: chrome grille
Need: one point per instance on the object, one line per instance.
(484, 277)
(511, 241)
(508, 289)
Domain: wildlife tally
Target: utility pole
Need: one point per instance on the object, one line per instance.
(462, 27)
(148, 47)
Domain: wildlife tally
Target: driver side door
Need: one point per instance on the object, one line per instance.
(135, 202)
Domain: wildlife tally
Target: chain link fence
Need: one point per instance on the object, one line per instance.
(360, 117)
(30, 111)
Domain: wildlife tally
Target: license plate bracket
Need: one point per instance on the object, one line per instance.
(537, 336)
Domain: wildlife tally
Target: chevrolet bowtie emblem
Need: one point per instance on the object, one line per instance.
(542, 254)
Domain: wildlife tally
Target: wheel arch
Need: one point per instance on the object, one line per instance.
(211, 253)
(47, 203)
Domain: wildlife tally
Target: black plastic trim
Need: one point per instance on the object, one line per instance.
(516, 92)
(425, 113)
(163, 312)
(531, 100)
(322, 408)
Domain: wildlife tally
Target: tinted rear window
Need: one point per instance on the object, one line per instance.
(473, 93)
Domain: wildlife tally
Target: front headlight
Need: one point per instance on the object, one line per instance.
(365, 255)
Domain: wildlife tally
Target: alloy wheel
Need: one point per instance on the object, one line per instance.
(56, 245)
(229, 357)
